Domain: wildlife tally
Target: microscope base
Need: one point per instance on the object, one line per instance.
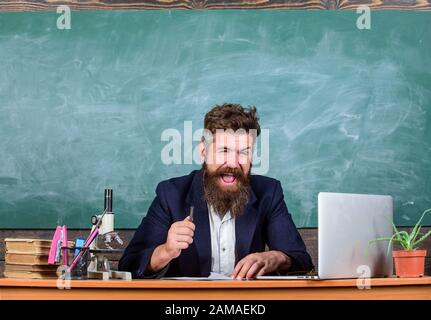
(106, 275)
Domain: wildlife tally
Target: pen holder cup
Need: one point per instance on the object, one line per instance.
(79, 271)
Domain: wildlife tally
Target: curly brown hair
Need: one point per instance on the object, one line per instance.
(232, 116)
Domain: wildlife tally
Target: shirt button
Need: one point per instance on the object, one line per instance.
(224, 249)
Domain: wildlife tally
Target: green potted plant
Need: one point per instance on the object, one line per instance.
(409, 262)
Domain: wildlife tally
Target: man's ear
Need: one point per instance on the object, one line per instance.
(202, 151)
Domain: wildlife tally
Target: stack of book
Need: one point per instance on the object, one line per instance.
(28, 259)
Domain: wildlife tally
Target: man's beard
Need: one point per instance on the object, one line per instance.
(226, 199)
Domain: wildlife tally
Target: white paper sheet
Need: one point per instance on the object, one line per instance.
(213, 276)
(287, 277)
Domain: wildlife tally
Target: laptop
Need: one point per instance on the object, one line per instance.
(346, 224)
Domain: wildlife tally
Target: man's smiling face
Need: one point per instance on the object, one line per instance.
(227, 162)
(230, 156)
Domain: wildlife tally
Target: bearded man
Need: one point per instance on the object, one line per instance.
(240, 225)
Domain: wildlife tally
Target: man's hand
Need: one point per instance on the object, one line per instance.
(260, 263)
(180, 236)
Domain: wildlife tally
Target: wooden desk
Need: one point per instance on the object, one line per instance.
(390, 288)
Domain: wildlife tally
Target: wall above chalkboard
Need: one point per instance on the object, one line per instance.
(32, 5)
(84, 109)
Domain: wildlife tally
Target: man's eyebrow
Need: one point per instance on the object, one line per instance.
(228, 149)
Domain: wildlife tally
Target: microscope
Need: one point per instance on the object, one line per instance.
(100, 248)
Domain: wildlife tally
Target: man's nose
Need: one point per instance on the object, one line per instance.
(232, 160)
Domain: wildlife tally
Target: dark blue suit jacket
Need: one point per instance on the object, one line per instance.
(265, 220)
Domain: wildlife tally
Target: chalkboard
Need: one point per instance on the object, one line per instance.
(81, 110)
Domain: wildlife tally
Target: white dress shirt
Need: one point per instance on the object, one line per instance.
(222, 242)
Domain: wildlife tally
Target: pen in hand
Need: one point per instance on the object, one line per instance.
(191, 213)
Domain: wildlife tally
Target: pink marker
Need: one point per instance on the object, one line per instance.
(85, 246)
(64, 244)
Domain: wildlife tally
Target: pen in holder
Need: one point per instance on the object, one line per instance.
(80, 269)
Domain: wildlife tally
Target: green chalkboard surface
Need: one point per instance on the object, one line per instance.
(84, 109)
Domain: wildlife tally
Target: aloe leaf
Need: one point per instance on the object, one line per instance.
(403, 238)
(396, 232)
(390, 239)
(390, 242)
(414, 235)
(418, 224)
(414, 231)
(426, 235)
(423, 215)
(380, 239)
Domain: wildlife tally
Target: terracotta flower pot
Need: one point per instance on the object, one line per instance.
(409, 263)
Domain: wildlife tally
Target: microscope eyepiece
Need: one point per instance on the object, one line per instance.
(108, 200)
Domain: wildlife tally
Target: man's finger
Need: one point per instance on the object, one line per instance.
(238, 268)
(247, 265)
(186, 224)
(182, 245)
(240, 264)
(251, 273)
(182, 238)
(184, 231)
(188, 220)
(261, 272)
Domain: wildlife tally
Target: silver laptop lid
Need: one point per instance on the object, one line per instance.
(346, 223)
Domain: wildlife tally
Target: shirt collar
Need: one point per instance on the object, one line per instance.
(213, 214)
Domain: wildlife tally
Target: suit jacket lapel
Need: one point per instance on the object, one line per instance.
(202, 236)
(245, 226)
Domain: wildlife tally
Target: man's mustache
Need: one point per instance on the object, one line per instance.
(229, 170)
